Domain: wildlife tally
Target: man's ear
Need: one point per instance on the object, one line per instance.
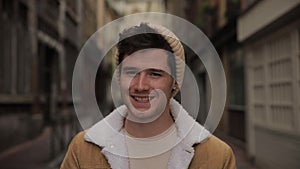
(174, 85)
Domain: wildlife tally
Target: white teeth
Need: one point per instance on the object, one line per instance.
(142, 99)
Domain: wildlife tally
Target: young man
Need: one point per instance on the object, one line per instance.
(151, 130)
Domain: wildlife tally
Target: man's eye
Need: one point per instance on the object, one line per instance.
(131, 72)
(154, 74)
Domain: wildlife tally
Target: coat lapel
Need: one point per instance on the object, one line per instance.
(107, 135)
(181, 157)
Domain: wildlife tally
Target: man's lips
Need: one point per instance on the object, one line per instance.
(143, 99)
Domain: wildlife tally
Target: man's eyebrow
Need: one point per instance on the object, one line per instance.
(155, 70)
(129, 68)
(150, 69)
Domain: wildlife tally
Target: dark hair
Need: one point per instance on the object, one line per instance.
(144, 37)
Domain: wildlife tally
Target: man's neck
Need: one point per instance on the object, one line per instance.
(154, 128)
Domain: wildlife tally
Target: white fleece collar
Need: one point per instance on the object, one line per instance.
(107, 134)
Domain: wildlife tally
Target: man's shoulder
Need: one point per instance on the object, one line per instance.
(81, 147)
(213, 141)
(213, 145)
(79, 141)
(86, 153)
(79, 137)
(214, 153)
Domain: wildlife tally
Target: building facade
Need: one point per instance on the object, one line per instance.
(38, 49)
(270, 35)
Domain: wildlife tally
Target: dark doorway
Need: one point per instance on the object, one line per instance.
(49, 80)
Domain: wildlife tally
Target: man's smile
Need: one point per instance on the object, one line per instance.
(142, 98)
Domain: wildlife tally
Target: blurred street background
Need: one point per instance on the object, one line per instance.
(258, 42)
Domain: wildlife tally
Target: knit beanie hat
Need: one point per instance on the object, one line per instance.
(177, 49)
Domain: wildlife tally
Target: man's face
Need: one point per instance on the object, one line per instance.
(146, 83)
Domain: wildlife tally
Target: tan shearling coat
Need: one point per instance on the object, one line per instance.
(211, 154)
(97, 147)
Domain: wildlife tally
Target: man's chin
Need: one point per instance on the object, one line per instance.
(140, 112)
(142, 116)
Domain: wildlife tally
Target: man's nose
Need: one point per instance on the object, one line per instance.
(141, 82)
